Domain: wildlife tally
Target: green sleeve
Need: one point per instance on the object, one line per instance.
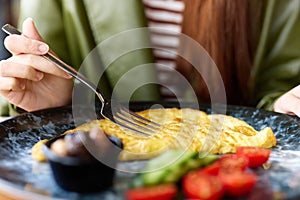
(7, 109)
(277, 63)
(4, 110)
(124, 44)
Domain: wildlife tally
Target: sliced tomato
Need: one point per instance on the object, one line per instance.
(156, 192)
(238, 184)
(257, 156)
(232, 163)
(202, 186)
(212, 169)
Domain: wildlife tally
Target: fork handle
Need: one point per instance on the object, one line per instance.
(9, 29)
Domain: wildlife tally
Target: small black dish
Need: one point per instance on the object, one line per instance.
(85, 175)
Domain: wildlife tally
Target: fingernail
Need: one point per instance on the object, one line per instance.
(43, 48)
(68, 75)
(39, 75)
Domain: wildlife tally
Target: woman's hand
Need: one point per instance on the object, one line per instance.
(289, 103)
(29, 80)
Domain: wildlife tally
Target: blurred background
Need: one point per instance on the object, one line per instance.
(9, 12)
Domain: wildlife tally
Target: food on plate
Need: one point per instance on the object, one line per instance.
(185, 128)
(37, 152)
(86, 145)
(237, 184)
(229, 176)
(72, 145)
(233, 162)
(157, 192)
(202, 186)
(256, 156)
(170, 166)
(83, 162)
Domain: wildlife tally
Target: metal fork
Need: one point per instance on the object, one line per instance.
(110, 109)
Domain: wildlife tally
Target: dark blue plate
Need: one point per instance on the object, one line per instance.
(32, 180)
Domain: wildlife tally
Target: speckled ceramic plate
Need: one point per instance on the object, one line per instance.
(28, 179)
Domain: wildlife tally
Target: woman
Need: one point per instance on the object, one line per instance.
(254, 45)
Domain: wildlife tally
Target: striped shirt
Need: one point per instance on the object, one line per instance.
(164, 19)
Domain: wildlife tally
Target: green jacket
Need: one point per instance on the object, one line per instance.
(277, 63)
(72, 28)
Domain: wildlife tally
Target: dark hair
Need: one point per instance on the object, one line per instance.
(229, 31)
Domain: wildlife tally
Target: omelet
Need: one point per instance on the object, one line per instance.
(185, 128)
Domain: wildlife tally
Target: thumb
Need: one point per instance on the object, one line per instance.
(29, 30)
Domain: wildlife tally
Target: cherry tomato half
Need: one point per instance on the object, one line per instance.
(257, 156)
(157, 192)
(212, 169)
(238, 184)
(233, 163)
(202, 186)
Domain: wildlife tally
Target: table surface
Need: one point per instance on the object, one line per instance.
(3, 194)
(282, 174)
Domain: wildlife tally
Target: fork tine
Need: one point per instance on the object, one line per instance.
(139, 119)
(128, 124)
(138, 124)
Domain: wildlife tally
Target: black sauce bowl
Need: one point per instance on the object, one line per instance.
(85, 176)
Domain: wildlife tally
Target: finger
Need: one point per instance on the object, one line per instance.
(9, 84)
(297, 110)
(18, 44)
(39, 63)
(29, 42)
(296, 91)
(16, 70)
(293, 104)
(30, 30)
(288, 104)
